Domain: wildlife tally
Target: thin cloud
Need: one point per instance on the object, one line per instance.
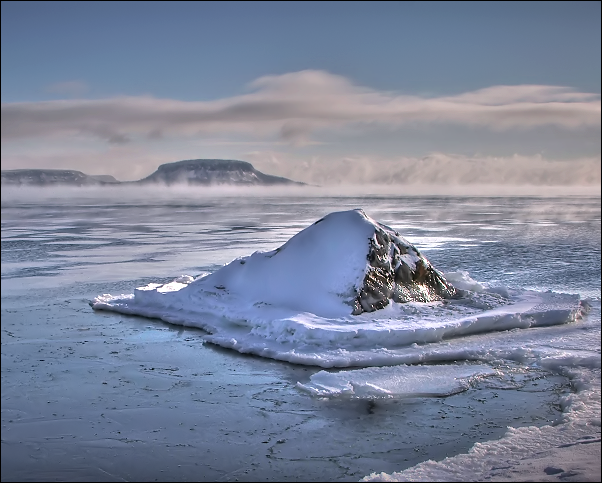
(295, 105)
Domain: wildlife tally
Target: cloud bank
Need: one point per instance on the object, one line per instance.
(294, 106)
(435, 169)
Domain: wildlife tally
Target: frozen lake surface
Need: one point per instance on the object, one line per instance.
(105, 396)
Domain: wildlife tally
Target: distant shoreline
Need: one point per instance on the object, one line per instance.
(194, 172)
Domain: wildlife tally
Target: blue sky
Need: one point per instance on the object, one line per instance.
(320, 91)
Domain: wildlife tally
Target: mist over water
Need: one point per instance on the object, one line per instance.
(145, 195)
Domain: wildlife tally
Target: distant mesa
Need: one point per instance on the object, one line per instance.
(213, 172)
(53, 177)
(194, 172)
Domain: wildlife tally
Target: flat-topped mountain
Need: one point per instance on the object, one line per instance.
(51, 177)
(213, 172)
(201, 172)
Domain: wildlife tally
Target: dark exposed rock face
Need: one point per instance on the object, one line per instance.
(213, 172)
(52, 177)
(397, 271)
